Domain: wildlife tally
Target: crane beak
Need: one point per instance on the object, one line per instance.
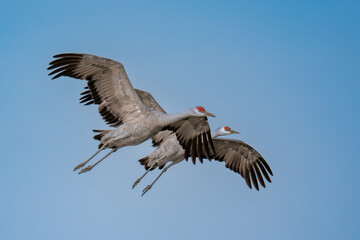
(234, 132)
(209, 114)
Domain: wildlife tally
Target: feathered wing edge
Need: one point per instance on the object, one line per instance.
(243, 159)
(104, 77)
(194, 136)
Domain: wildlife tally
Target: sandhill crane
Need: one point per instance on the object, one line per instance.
(237, 155)
(120, 105)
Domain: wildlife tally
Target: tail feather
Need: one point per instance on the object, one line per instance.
(100, 134)
(144, 161)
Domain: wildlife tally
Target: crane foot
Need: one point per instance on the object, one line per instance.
(88, 168)
(136, 183)
(79, 166)
(146, 189)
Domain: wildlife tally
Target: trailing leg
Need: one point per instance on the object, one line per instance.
(139, 179)
(164, 170)
(83, 163)
(88, 168)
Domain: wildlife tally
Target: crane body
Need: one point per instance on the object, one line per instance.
(134, 114)
(238, 156)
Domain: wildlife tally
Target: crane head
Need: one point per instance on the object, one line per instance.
(227, 131)
(200, 111)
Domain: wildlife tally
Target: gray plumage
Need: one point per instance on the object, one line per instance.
(135, 114)
(237, 155)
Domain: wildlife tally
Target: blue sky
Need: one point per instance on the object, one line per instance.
(283, 73)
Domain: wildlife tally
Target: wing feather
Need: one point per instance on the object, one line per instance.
(243, 159)
(253, 177)
(266, 175)
(199, 148)
(206, 147)
(259, 176)
(107, 83)
(188, 130)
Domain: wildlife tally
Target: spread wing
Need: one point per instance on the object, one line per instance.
(107, 85)
(194, 136)
(193, 133)
(243, 159)
(149, 100)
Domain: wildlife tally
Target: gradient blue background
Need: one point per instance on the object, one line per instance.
(283, 73)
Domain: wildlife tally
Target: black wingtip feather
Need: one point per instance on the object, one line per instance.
(79, 55)
(187, 150)
(210, 141)
(259, 176)
(207, 152)
(193, 151)
(263, 170)
(266, 166)
(199, 148)
(247, 179)
(253, 178)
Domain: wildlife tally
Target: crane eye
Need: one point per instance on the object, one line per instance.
(200, 109)
(226, 128)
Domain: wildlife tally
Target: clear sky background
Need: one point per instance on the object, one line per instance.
(284, 73)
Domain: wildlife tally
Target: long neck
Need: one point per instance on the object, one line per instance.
(217, 133)
(167, 119)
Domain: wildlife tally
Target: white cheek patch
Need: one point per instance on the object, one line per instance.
(225, 132)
